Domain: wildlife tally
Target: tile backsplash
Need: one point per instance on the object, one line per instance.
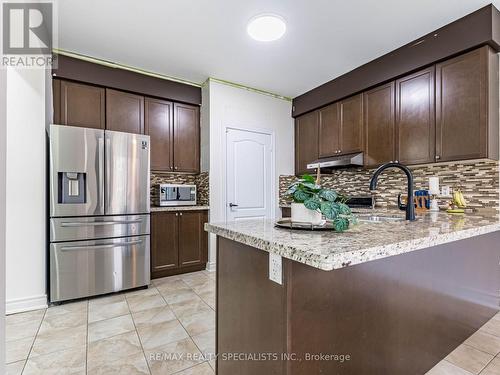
(478, 180)
(201, 182)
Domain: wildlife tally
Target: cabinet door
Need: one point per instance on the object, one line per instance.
(192, 238)
(329, 131)
(379, 124)
(78, 104)
(186, 138)
(124, 112)
(415, 118)
(306, 141)
(158, 125)
(461, 107)
(164, 242)
(351, 124)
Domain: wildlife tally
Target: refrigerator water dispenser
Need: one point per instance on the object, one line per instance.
(72, 187)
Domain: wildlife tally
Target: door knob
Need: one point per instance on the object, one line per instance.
(233, 205)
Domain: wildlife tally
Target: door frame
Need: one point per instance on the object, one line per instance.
(269, 132)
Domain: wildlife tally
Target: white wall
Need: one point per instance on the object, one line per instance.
(25, 190)
(3, 144)
(238, 107)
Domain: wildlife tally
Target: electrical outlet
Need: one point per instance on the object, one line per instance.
(275, 268)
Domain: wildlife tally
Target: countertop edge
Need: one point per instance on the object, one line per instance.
(355, 256)
(178, 208)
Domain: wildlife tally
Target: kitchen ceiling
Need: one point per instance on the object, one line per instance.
(197, 39)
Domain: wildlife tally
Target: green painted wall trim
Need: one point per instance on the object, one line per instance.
(122, 66)
(243, 87)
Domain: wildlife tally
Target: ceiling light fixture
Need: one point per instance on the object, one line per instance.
(266, 27)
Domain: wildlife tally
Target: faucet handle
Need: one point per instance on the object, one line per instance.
(401, 206)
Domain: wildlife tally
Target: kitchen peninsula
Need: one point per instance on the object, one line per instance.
(381, 298)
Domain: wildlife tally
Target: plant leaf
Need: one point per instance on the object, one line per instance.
(313, 203)
(341, 224)
(329, 210)
(328, 195)
(344, 209)
(300, 196)
(308, 178)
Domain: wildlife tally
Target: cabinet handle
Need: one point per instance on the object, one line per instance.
(180, 214)
(396, 161)
(438, 157)
(175, 168)
(176, 214)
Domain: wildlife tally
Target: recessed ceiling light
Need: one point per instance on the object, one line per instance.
(266, 27)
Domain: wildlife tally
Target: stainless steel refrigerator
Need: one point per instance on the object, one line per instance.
(99, 212)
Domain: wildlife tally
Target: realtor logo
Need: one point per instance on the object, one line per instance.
(27, 28)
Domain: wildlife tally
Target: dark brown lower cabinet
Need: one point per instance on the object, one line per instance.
(179, 243)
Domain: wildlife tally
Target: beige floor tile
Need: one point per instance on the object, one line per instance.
(145, 302)
(150, 291)
(162, 280)
(25, 317)
(153, 316)
(469, 358)
(18, 350)
(492, 327)
(212, 364)
(22, 330)
(134, 364)
(205, 287)
(201, 369)
(173, 286)
(106, 300)
(195, 278)
(103, 311)
(110, 327)
(67, 362)
(447, 368)
(59, 340)
(198, 323)
(206, 343)
(173, 357)
(176, 297)
(485, 342)
(209, 298)
(54, 322)
(15, 368)
(190, 307)
(493, 367)
(66, 308)
(102, 352)
(154, 335)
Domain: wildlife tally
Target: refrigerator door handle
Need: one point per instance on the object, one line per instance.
(104, 246)
(98, 223)
(101, 174)
(107, 183)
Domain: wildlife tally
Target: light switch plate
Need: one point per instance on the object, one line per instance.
(275, 268)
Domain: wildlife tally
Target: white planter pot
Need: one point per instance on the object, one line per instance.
(301, 214)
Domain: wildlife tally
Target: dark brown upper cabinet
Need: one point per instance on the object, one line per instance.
(329, 131)
(306, 141)
(78, 104)
(158, 124)
(124, 112)
(351, 124)
(179, 242)
(467, 106)
(415, 118)
(186, 138)
(379, 125)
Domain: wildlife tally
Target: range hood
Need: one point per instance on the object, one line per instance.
(338, 161)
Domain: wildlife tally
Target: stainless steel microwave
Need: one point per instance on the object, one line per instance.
(176, 195)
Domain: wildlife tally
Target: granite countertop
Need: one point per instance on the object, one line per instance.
(361, 243)
(179, 208)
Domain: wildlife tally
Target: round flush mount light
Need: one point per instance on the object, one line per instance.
(266, 27)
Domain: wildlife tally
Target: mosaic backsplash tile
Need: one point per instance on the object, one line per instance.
(478, 180)
(201, 182)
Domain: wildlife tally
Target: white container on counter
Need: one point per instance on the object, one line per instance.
(301, 214)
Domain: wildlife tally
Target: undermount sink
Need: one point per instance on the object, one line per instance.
(379, 218)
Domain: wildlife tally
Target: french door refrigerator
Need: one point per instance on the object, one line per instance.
(99, 212)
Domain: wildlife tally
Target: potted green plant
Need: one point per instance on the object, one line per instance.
(311, 202)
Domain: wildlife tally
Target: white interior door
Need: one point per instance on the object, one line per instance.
(249, 175)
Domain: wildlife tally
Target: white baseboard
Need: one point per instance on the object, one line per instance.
(25, 304)
(211, 266)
